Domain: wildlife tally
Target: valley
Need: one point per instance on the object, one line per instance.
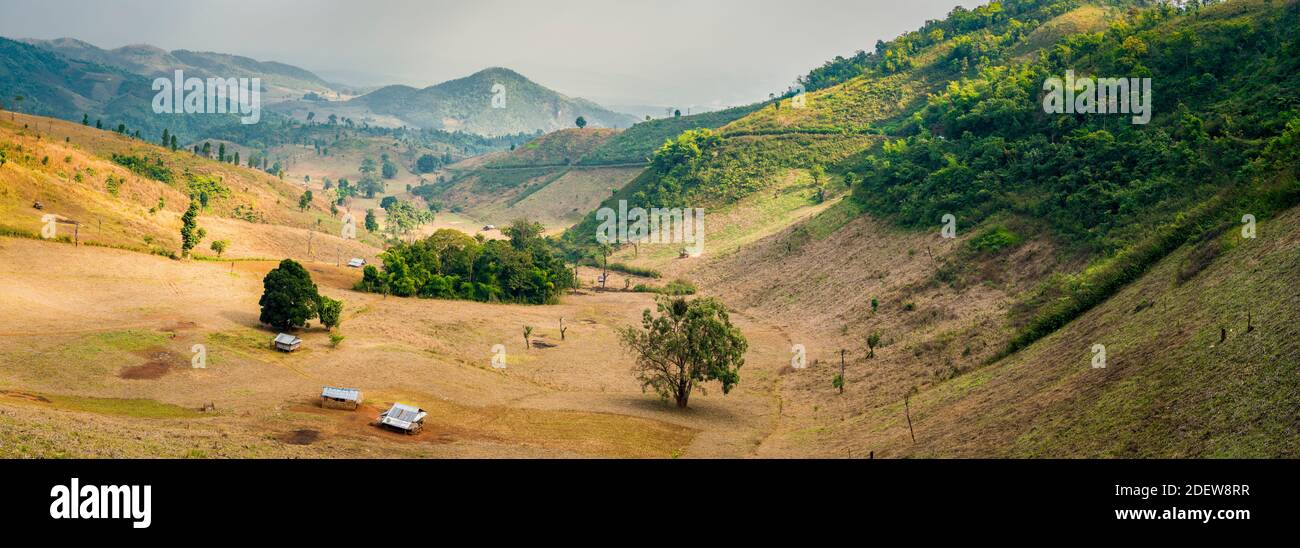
(922, 262)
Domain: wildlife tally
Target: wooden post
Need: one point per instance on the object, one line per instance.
(907, 406)
(842, 379)
(604, 271)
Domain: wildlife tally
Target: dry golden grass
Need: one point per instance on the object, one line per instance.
(73, 184)
(78, 322)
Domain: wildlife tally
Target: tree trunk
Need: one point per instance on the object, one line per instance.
(683, 389)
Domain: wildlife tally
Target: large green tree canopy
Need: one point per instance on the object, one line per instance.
(289, 297)
(687, 344)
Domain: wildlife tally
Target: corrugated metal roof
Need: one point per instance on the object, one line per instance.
(286, 338)
(357, 262)
(346, 394)
(402, 416)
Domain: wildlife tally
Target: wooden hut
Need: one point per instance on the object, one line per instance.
(340, 398)
(285, 342)
(403, 418)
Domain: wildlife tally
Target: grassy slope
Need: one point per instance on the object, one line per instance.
(538, 180)
(1170, 389)
(936, 334)
(837, 124)
(637, 143)
(559, 148)
(260, 216)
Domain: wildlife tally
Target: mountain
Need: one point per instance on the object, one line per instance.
(466, 104)
(558, 177)
(55, 85)
(281, 81)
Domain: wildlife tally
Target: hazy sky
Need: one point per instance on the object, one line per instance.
(656, 52)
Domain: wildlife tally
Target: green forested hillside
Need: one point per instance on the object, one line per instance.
(641, 140)
(950, 121)
(560, 148)
(1221, 145)
(53, 85)
(839, 122)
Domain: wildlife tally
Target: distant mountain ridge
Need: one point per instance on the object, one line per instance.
(282, 81)
(466, 104)
(67, 78)
(52, 84)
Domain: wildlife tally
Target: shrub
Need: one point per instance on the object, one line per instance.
(678, 287)
(994, 240)
(145, 167)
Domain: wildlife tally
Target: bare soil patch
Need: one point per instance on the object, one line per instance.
(160, 363)
(301, 437)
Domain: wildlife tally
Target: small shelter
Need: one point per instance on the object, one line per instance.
(357, 263)
(285, 342)
(340, 398)
(403, 418)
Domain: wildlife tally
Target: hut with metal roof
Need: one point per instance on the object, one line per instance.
(357, 263)
(340, 398)
(285, 342)
(403, 418)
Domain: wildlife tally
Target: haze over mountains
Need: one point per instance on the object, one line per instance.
(69, 78)
(282, 81)
(466, 104)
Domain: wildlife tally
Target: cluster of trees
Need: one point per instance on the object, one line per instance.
(151, 168)
(290, 299)
(401, 217)
(452, 265)
(978, 34)
(985, 146)
(386, 166)
(429, 163)
(275, 131)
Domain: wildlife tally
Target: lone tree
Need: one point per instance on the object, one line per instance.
(689, 343)
(304, 202)
(426, 164)
(190, 233)
(372, 225)
(289, 296)
(581, 122)
(330, 312)
(219, 246)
